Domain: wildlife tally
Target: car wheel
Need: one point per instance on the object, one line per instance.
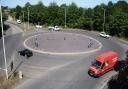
(27, 57)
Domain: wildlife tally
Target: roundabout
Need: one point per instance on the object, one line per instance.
(62, 43)
(60, 70)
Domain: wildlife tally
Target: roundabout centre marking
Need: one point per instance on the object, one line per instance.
(64, 53)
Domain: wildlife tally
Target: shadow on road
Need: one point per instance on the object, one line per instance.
(5, 28)
(120, 81)
(16, 69)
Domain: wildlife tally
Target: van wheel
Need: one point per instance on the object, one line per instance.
(99, 75)
(90, 73)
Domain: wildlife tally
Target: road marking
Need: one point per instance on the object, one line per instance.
(36, 67)
(67, 53)
(2, 69)
(63, 65)
(105, 81)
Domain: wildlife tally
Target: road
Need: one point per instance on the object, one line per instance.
(44, 71)
(12, 40)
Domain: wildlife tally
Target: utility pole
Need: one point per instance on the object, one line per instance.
(5, 59)
(28, 17)
(65, 17)
(23, 21)
(104, 21)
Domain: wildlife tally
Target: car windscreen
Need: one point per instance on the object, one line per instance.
(97, 64)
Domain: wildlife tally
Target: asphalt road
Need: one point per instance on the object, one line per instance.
(44, 71)
(11, 44)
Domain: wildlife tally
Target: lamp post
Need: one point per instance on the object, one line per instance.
(5, 59)
(65, 17)
(14, 13)
(28, 17)
(104, 20)
(23, 21)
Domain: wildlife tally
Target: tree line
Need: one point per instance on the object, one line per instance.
(116, 16)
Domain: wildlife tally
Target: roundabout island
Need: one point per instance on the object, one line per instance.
(62, 43)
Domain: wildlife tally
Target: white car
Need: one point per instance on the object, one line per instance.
(51, 28)
(38, 26)
(19, 21)
(103, 34)
(56, 28)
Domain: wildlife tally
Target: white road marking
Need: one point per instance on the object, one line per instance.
(63, 65)
(105, 81)
(66, 53)
(2, 69)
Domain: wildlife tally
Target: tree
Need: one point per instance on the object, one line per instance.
(119, 26)
(52, 14)
(116, 16)
(72, 15)
(18, 11)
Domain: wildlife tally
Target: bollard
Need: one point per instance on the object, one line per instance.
(64, 38)
(20, 75)
(11, 65)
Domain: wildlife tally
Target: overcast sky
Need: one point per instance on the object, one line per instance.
(80, 3)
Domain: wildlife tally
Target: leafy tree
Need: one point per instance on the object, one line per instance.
(116, 16)
(119, 26)
(18, 11)
(72, 15)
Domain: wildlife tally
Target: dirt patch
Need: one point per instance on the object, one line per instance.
(8, 83)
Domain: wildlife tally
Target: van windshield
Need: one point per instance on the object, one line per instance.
(97, 64)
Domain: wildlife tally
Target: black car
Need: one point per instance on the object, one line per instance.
(27, 53)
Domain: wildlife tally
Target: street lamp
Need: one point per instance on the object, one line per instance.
(65, 17)
(104, 20)
(28, 17)
(23, 21)
(5, 59)
(14, 13)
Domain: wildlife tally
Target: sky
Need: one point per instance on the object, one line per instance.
(80, 3)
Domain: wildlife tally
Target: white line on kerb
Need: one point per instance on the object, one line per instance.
(67, 53)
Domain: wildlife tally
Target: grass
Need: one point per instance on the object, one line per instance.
(8, 83)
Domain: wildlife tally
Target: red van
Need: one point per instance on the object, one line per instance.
(103, 63)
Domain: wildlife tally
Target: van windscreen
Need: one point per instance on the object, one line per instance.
(97, 64)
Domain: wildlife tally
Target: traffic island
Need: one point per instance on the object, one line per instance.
(62, 43)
